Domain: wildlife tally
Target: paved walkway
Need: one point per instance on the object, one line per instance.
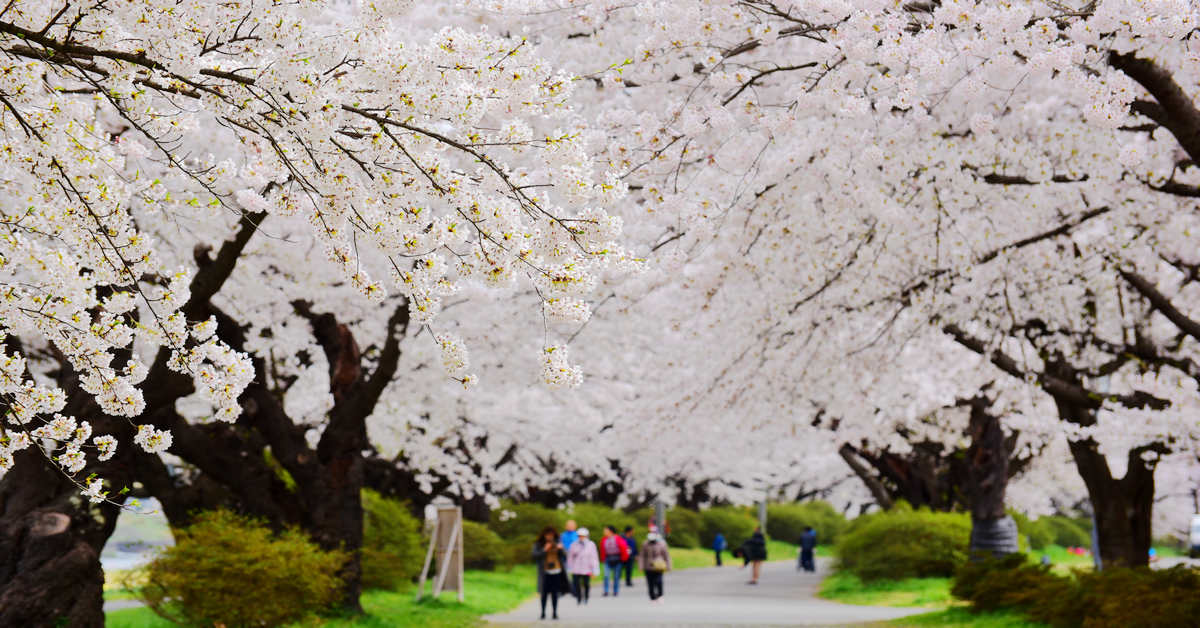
(713, 597)
(120, 605)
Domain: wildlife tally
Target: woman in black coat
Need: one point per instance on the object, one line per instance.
(756, 553)
(551, 561)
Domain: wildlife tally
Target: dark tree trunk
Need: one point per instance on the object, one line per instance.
(476, 509)
(51, 536)
(992, 530)
(337, 501)
(50, 541)
(1123, 507)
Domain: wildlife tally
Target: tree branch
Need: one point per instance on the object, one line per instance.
(1054, 386)
(348, 418)
(873, 484)
(213, 273)
(341, 351)
(1178, 114)
(1161, 303)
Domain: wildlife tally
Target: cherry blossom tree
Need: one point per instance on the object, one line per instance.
(210, 204)
(936, 162)
(260, 237)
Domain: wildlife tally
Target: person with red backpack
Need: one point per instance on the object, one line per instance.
(613, 554)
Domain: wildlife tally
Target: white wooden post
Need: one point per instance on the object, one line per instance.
(428, 560)
(446, 558)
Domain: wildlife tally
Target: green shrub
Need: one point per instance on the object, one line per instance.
(595, 516)
(737, 524)
(230, 570)
(1120, 596)
(684, 527)
(1035, 531)
(641, 522)
(484, 549)
(1007, 582)
(1133, 597)
(522, 522)
(904, 543)
(393, 545)
(1067, 531)
(518, 552)
(786, 522)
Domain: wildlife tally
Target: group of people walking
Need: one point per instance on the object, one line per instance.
(567, 562)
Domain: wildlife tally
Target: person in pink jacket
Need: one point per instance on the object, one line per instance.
(583, 562)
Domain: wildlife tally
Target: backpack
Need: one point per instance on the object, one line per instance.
(612, 548)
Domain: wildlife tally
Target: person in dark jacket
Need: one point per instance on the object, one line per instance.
(756, 553)
(633, 553)
(551, 562)
(808, 543)
(719, 546)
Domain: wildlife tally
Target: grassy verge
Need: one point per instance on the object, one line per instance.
(1062, 561)
(958, 616)
(487, 592)
(847, 588)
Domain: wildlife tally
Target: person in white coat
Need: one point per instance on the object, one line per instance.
(583, 562)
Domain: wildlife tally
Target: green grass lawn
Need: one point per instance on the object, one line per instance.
(487, 592)
(928, 592)
(688, 558)
(956, 616)
(1063, 561)
(847, 588)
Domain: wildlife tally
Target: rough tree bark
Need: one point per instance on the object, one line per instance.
(1123, 506)
(50, 541)
(50, 535)
(992, 530)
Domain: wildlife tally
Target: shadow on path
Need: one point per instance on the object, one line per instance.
(714, 596)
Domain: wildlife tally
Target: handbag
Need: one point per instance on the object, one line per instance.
(658, 564)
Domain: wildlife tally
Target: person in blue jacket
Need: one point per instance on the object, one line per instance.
(808, 543)
(719, 546)
(569, 535)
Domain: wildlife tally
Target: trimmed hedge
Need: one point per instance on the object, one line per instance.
(786, 522)
(684, 527)
(523, 522)
(230, 570)
(595, 516)
(737, 524)
(1118, 596)
(1034, 531)
(904, 543)
(393, 544)
(1067, 531)
(482, 548)
(1053, 530)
